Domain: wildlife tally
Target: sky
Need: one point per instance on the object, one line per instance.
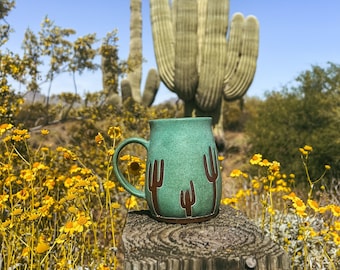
(294, 35)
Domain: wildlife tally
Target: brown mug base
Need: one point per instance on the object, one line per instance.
(185, 220)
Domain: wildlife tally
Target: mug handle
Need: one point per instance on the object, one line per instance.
(126, 184)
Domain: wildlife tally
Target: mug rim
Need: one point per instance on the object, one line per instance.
(182, 119)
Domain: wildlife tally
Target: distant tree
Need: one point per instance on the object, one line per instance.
(12, 67)
(32, 57)
(5, 7)
(54, 45)
(111, 67)
(305, 114)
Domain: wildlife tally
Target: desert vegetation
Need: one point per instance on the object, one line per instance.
(62, 208)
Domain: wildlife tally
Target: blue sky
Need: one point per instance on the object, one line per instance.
(294, 34)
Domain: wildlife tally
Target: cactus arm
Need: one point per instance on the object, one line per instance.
(135, 58)
(239, 81)
(202, 11)
(233, 45)
(126, 90)
(163, 40)
(186, 48)
(151, 87)
(209, 91)
(212, 176)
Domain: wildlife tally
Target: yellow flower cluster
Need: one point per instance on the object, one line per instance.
(51, 204)
(273, 189)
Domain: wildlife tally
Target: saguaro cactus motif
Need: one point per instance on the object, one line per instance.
(131, 85)
(155, 181)
(211, 172)
(188, 199)
(196, 59)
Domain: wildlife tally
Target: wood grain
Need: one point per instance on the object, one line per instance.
(229, 241)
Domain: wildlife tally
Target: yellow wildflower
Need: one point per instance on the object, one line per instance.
(61, 238)
(33, 216)
(131, 202)
(82, 221)
(68, 182)
(109, 185)
(235, 173)
(115, 205)
(16, 211)
(291, 196)
(271, 210)
(335, 210)
(99, 138)
(275, 167)
(125, 157)
(336, 239)
(265, 163)
(42, 247)
(4, 127)
(227, 201)
(300, 207)
(39, 166)
(255, 184)
(114, 132)
(313, 204)
(49, 183)
(45, 132)
(303, 151)
(110, 152)
(17, 138)
(220, 158)
(256, 159)
(75, 168)
(27, 174)
(103, 267)
(3, 198)
(337, 225)
(73, 209)
(308, 148)
(69, 227)
(23, 194)
(25, 252)
(327, 167)
(48, 200)
(44, 210)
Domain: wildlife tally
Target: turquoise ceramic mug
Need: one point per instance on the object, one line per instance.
(183, 179)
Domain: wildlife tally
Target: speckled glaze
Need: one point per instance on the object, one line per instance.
(183, 179)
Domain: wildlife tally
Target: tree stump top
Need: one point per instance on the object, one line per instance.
(229, 241)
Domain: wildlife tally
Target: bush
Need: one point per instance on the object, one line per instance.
(305, 114)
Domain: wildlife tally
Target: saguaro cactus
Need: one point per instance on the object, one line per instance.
(188, 199)
(196, 59)
(131, 86)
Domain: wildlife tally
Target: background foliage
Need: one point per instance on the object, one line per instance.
(306, 113)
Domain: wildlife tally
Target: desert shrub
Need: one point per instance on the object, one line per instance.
(307, 113)
(237, 113)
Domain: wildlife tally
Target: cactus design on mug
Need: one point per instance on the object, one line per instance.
(188, 200)
(212, 172)
(155, 180)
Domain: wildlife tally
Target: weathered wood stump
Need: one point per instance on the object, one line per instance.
(229, 241)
